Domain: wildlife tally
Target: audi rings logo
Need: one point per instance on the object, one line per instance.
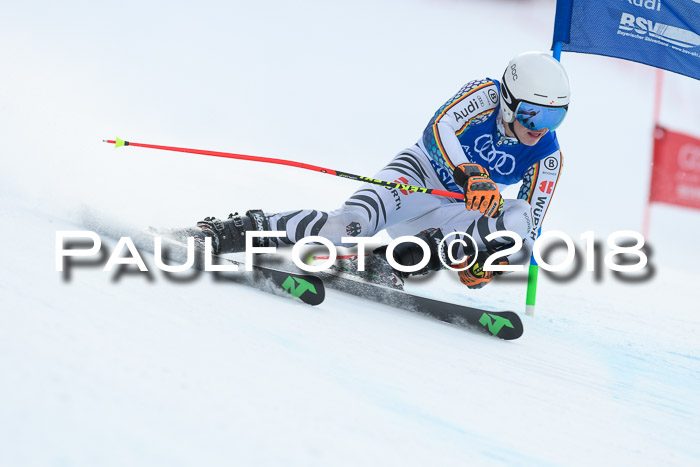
(689, 157)
(500, 161)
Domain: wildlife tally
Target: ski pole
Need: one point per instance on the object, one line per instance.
(416, 189)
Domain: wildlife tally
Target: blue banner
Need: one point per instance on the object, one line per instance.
(661, 33)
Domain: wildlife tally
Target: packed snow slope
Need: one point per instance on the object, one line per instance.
(130, 368)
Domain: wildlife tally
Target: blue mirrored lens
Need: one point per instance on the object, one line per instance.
(536, 117)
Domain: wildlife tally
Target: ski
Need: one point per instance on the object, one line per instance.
(305, 287)
(505, 325)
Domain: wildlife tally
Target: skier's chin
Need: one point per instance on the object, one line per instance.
(532, 137)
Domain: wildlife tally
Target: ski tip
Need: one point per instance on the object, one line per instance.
(530, 310)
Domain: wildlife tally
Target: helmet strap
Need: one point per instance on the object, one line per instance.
(511, 126)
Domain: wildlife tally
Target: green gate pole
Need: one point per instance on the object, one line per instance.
(532, 284)
(534, 268)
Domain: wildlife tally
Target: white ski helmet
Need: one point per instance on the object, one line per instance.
(535, 90)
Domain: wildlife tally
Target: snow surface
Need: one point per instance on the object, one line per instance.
(133, 369)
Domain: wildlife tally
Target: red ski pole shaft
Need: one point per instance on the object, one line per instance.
(417, 189)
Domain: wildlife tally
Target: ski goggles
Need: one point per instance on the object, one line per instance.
(536, 117)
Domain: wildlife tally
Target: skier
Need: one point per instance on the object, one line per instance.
(489, 135)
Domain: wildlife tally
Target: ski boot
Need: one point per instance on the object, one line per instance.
(229, 236)
(379, 271)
